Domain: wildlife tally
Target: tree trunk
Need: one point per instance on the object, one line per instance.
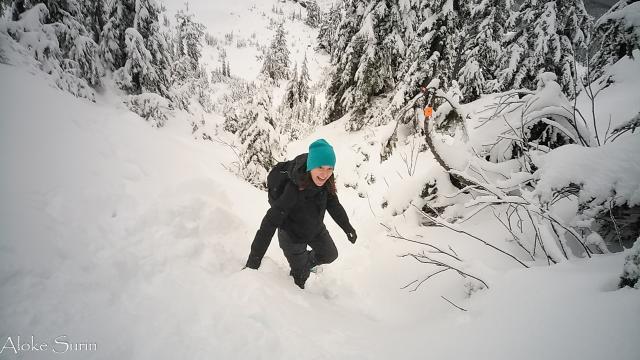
(456, 180)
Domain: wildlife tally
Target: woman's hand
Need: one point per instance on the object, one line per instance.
(352, 236)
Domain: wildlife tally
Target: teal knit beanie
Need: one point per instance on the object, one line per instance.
(320, 154)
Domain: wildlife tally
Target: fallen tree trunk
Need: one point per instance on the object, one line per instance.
(457, 181)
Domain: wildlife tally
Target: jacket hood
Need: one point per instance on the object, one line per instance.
(297, 168)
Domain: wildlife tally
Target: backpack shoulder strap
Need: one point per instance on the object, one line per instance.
(277, 180)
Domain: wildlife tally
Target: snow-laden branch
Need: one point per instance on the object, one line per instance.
(495, 201)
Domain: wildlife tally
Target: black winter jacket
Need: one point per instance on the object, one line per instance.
(298, 212)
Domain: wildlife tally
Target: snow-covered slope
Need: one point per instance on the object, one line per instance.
(132, 238)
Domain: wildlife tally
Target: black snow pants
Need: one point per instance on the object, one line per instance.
(323, 251)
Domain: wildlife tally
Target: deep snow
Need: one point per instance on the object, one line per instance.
(133, 238)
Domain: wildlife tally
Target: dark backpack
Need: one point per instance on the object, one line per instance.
(277, 180)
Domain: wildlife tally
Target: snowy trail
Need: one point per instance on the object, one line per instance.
(116, 233)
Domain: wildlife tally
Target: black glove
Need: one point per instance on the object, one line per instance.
(352, 236)
(253, 263)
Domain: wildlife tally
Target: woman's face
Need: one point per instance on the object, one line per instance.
(320, 175)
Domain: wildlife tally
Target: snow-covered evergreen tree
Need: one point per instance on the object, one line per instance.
(203, 89)
(62, 49)
(147, 56)
(95, 18)
(327, 30)
(79, 52)
(138, 74)
(548, 34)
(76, 52)
(223, 62)
(261, 148)
(303, 81)
(369, 45)
(482, 46)
(314, 14)
(58, 9)
(294, 123)
(617, 34)
(292, 93)
(146, 17)
(133, 44)
(345, 61)
(437, 51)
(234, 103)
(189, 34)
(276, 62)
(185, 73)
(84, 54)
(44, 46)
(294, 114)
(157, 41)
(109, 46)
(112, 39)
(160, 45)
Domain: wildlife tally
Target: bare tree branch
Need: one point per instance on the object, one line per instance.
(423, 280)
(515, 237)
(450, 302)
(421, 258)
(450, 227)
(438, 250)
